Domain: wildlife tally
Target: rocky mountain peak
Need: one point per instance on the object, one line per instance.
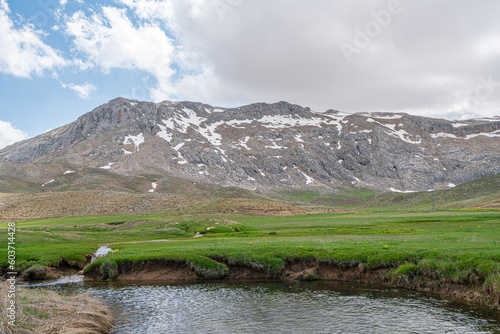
(270, 146)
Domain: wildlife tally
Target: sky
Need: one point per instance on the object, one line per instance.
(62, 58)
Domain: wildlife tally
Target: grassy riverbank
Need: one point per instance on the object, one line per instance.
(442, 247)
(45, 311)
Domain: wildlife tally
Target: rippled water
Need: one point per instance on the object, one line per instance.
(277, 307)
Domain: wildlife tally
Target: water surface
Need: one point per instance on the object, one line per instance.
(283, 307)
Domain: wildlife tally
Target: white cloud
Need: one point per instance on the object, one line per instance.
(199, 85)
(151, 9)
(4, 6)
(82, 91)
(23, 52)
(9, 134)
(488, 45)
(230, 52)
(110, 40)
(135, 37)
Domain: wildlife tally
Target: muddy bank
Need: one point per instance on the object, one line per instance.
(303, 270)
(152, 270)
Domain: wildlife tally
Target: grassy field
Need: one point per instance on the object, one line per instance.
(456, 246)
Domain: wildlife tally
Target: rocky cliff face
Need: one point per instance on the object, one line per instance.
(270, 146)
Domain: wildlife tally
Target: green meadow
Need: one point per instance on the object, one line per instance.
(454, 246)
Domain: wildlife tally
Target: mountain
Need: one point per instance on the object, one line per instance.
(258, 146)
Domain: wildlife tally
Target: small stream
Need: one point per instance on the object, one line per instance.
(100, 252)
(279, 307)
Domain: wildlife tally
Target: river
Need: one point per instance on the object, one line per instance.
(280, 307)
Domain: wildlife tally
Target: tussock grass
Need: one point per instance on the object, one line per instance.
(44, 311)
(207, 268)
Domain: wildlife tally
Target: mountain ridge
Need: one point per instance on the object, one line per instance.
(269, 146)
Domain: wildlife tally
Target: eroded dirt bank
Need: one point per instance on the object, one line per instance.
(304, 270)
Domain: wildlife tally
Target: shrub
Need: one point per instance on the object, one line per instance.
(107, 269)
(409, 269)
(492, 284)
(36, 272)
(219, 229)
(309, 277)
(208, 268)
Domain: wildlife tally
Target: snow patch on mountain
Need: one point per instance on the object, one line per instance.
(136, 140)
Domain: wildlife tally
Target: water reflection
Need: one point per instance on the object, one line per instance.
(283, 307)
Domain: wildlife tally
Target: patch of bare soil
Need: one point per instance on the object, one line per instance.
(242, 272)
(82, 203)
(155, 271)
(249, 206)
(495, 206)
(30, 206)
(41, 311)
